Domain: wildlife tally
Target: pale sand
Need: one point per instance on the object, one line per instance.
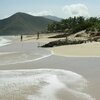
(80, 50)
(42, 38)
(86, 49)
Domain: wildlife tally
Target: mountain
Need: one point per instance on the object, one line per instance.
(22, 23)
(53, 18)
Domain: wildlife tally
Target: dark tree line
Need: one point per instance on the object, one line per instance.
(76, 24)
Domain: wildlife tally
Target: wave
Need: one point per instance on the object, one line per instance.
(42, 84)
(8, 58)
(20, 57)
(4, 41)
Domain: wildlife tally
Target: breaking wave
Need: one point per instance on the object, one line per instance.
(4, 41)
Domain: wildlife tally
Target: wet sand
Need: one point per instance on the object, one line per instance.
(88, 67)
(42, 84)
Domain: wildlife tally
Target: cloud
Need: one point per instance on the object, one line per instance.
(76, 10)
(42, 13)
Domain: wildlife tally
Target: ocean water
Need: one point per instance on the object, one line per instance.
(43, 84)
(19, 56)
(38, 84)
(4, 41)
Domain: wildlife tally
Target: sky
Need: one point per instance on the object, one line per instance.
(59, 8)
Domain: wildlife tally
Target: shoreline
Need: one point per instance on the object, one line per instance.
(11, 52)
(48, 75)
(87, 67)
(90, 49)
(79, 50)
(28, 61)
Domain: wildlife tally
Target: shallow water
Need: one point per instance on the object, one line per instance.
(38, 84)
(19, 52)
(4, 41)
(19, 57)
(42, 84)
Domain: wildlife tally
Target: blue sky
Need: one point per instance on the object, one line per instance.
(60, 8)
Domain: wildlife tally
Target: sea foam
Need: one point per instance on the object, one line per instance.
(4, 41)
(42, 84)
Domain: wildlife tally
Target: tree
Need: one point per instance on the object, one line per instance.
(75, 24)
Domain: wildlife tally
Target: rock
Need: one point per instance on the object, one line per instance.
(62, 42)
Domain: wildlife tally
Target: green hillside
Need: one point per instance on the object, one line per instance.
(21, 23)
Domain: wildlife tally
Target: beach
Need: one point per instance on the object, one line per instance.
(79, 50)
(49, 77)
(89, 49)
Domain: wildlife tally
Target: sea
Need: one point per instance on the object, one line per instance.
(20, 55)
(38, 84)
(4, 41)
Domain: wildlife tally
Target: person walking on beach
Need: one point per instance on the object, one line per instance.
(38, 35)
(21, 38)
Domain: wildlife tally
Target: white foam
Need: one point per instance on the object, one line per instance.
(4, 41)
(21, 58)
(49, 81)
(49, 91)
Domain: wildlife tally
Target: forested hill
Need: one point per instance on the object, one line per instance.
(22, 23)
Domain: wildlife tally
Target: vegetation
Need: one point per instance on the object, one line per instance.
(77, 30)
(76, 24)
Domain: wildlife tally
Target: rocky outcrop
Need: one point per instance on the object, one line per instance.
(62, 42)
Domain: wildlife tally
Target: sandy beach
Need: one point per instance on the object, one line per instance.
(89, 49)
(79, 50)
(84, 72)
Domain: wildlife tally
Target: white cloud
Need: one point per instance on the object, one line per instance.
(76, 10)
(42, 13)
